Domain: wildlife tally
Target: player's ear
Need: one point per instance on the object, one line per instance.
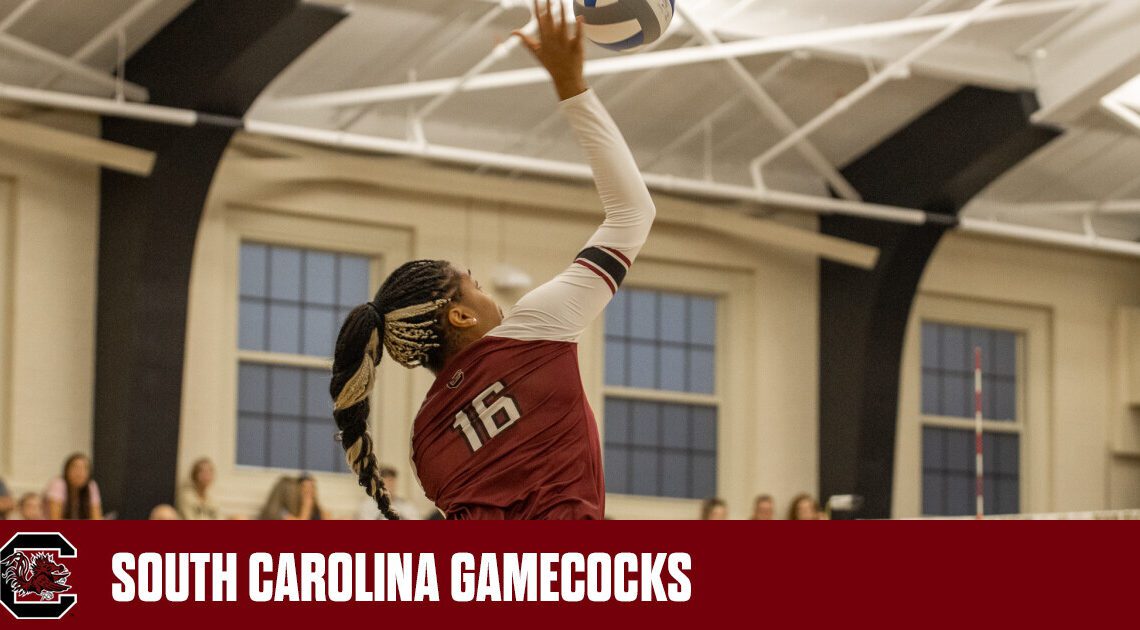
(461, 316)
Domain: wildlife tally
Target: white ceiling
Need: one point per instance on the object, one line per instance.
(386, 42)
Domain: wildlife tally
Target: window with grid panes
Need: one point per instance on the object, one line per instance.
(292, 302)
(660, 401)
(948, 466)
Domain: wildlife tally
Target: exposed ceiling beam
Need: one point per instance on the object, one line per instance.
(880, 78)
(80, 71)
(755, 92)
(103, 37)
(570, 170)
(1115, 206)
(1050, 237)
(96, 105)
(74, 146)
(575, 171)
(19, 12)
(955, 63)
(1089, 60)
(1121, 112)
(675, 57)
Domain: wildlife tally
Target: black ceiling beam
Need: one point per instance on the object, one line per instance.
(216, 56)
(937, 163)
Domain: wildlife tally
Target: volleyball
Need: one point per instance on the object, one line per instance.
(624, 25)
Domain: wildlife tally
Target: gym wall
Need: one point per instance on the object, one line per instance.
(49, 218)
(766, 383)
(767, 334)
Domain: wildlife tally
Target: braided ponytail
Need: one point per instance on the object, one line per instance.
(405, 319)
(354, 369)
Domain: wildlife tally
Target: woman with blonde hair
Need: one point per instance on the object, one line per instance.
(194, 502)
(293, 499)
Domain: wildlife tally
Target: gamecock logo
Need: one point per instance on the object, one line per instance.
(33, 580)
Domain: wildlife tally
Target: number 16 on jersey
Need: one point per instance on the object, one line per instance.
(493, 410)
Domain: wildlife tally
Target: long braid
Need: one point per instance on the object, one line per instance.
(405, 318)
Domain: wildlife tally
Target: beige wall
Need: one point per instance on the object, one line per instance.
(50, 227)
(766, 382)
(1084, 454)
(1067, 303)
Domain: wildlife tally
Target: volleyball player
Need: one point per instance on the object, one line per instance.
(506, 430)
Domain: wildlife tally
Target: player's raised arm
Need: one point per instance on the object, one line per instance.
(562, 308)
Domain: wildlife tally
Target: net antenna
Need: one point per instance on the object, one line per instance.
(979, 481)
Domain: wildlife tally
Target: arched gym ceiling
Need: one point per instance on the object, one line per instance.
(393, 41)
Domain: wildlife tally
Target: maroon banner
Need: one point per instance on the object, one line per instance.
(884, 574)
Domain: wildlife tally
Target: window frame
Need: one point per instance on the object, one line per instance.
(382, 245)
(645, 394)
(1032, 421)
(287, 359)
(730, 288)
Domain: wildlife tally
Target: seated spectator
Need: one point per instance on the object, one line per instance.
(74, 495)
(804, 508)
(293, 499)
(164, 512)
(31, 507)
(714, 509)
(406, 509)
(764, 509)
(194, 502)
(6, 504)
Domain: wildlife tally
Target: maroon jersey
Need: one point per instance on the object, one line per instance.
(506, 432)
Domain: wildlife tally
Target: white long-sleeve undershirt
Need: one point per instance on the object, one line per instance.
(560, 309)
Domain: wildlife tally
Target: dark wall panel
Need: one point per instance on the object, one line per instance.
(217, 56)
(937, 163)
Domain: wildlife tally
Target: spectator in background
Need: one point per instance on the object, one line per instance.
(764, 509)
(293, 499)
(75, 495)
(276, 505)
(31, 507)
(164, 512)
(309, 509)
(6, 503)
(714, 509)
(194, 502)
(369, 511)
(804, 508)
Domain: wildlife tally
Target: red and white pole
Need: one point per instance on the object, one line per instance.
(980, 480)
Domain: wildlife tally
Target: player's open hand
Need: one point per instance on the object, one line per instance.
(558, 48)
